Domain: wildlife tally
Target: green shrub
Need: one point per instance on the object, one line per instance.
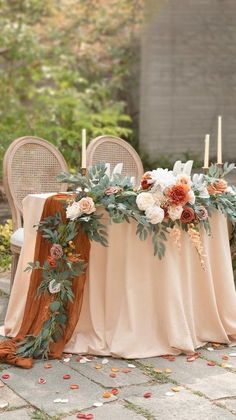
(5, 252)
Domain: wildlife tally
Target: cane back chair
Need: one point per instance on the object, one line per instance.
(30, 166)
(114, 150)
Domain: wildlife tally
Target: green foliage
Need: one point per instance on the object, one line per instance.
(65, 68)
(5, 252)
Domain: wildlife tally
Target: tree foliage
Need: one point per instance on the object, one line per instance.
(65, 65)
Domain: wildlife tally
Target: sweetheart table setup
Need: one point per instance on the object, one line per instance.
(115, 270)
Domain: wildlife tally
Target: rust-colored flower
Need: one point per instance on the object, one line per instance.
(218, 187)
(73, 258)
(146, 181)
(187, 215)
(178, 194)
(52, 262)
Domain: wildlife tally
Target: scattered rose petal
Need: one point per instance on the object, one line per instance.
(172, 358)
(98, 366)
(97, 404)
(66, 376)
(210, 349)
(107, 394)
(176, 388)
(83, 360)
(88, 359)
(232, 354)
(5, 376)
(2, 384)
(158, 370)
(3, 404)
(147, 395)
(131, 366)
(81, 416)
(42, 381)
(61, 400)
(89, 416)
(126, 370)
(78, 359)
(113, 375)
(74, 386)
(168, 370)
(47, 366)
(225, 357)
(66, 360)
(211, 363)
(114, 369)
(191, 359)
(105, 361)
(169, 394)
(115, 391)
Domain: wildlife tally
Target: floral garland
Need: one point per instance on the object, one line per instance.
(164, 205)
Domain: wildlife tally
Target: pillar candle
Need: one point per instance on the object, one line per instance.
(206, 154)
(83, 154)
(219, 140)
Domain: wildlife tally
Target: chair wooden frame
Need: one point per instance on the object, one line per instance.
(129, 152)
(8, 183)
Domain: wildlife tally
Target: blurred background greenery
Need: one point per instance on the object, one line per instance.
(67, 65)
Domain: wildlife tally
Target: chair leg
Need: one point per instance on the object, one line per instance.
(15, 259)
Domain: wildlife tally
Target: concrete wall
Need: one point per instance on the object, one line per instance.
(188, 76)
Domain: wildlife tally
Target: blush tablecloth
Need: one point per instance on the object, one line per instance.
(136, 305)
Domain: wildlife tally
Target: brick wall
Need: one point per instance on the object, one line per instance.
(188, 76)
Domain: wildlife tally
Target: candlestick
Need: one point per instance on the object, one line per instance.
(83, 153)
(206, 154)
(219, 141)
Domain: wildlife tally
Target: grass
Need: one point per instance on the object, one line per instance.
(139, 410)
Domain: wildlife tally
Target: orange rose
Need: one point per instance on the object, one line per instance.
(52, 262)
(217, 187)
(146, 181)
(178, 194)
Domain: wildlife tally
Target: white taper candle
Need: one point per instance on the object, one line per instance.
(206, 154)
(83, 154)
(219, 140)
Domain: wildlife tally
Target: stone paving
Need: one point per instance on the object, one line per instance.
(115, 389)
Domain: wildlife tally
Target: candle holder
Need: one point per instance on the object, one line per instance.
(220, 169)
(83, 171)
(205, 170)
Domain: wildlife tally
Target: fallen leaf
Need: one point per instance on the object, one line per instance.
(115, 391)
(157, 370)
(191, 359)
(47, 366)
(74, 386)
(176, 388)
(226, 365)
(147, 394)
(211, 363)
(98, 366)
(42, 381)
(168, 370)
(107, 394)
(5, 376)
(114, 369)
(66, 376)
(225, 357)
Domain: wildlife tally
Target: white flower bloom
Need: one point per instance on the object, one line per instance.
(158, 196)
(144, 200)
(231, 190)
(54, 287)
(154, 214)
(192, 197)
(163, 178)
(184, 179)
(73, 211)
(175, 212)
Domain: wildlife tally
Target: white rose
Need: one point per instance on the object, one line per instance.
(73, 211)
(54, 287)
(144, 200)
(87, 205)
(154, 214)
(175, 212)
(191, 197)
(159, 197)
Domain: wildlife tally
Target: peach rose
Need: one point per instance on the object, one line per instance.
(218, 187)
(87, 205)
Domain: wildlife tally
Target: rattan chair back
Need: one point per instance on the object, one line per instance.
(114, 150)
(30, 165)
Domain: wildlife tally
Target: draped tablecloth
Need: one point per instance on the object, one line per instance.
(135, 305)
